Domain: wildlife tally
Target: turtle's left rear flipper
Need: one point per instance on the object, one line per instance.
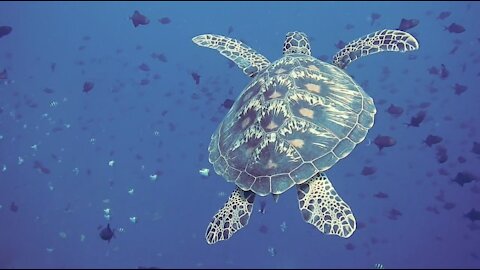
(245, 57)
(232, 217)
(323, 208)
(380, 41)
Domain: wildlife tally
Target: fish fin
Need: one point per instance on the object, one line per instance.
(232, 217)
(323, 208)
(384, 40)
(245, 57)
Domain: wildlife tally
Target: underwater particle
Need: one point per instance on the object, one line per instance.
(76, 171)
(88, 86)
(473, 215)
(130, 191)
(5, 30)
(204, 172)
(165, 20)
(272, 251)
(349, 26)
(416, 120)
(406, 24)
(34, 147)
(384, 141)
(111, 163)
(107, 234)
(367, 170)
(432, 139)
(378, 266)
(196, 77)
(221, 194)
(82, 237)
(454, 28)
(139, 19)
(464, 177)
(153, 177)
(443, 15)
(340, 44)
(50, 250)
(62, 235)
(20, 160)
(1, 206)
(263, 205)
(4, 75)
(283, 226)
(350, 246)
(133, 220)
(4, 167)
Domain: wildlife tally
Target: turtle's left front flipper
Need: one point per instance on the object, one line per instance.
(245, 57)
(232, 217)
(380, 41)
(323, 208)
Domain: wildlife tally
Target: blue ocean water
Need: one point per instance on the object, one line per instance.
(128, 151)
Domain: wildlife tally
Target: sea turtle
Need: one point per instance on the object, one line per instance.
(293, 121)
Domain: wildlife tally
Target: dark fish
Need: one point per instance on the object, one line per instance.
(367, 170)
(349, 246)
(48, 90)
(432, 139)
(4, 75)
(394, 214)
(144, 82)
(263, 229)
(196, 77)
(416, 120)
(459, 89)
(230, 29)
(406, 24)
(381, 195)
(433, 70)
(53, 66)
(454, 49)
(444, 72)
(384, 141)
(464, 177)
(473, 215)
(448, 206)
(165, 20)
(160, 57)
(263, 205)
(107, 234)
(476, 148)
(88, 86)
(441, 154)
(13, 207)
(349, 26)
(374, 16)
(395, 110)
(144, 67)
(5, 30)
(228, 103)
(139, 19)
(443, 15)
(340, 44)
(461, 159)
(455, 28)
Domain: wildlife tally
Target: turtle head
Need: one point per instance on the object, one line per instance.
(296, 42)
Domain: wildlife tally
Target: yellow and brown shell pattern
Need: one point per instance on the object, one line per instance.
(296, 118)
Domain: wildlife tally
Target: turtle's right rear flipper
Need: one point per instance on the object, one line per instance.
(380, 41)
(323, 208)
(245, 57)
(232, 217)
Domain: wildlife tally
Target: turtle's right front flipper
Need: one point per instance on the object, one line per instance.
(380, 41)
(232, 217)
(245, 57)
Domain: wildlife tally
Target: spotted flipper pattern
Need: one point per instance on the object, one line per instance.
(232, 217)
(323, 208)
(245, 57)
(384, 40)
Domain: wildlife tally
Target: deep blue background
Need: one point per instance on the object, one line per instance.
(119, 118)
